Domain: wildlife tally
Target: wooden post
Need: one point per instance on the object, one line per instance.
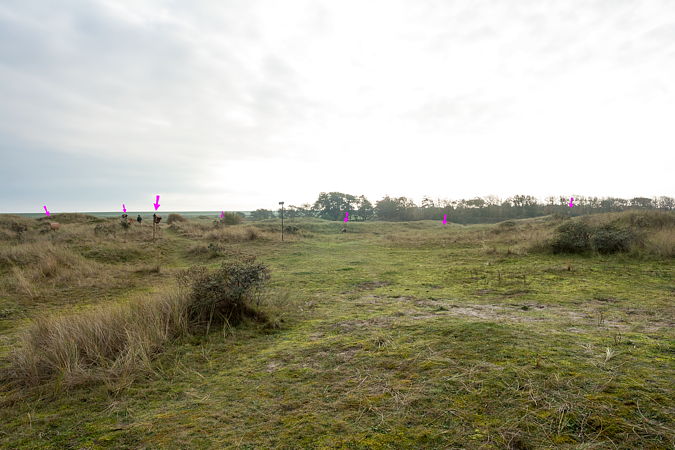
(282, 220)
(154, 226)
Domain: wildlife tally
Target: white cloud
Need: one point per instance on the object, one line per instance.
(259, 100)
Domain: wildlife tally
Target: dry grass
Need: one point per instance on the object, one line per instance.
(33, 264)
(22, 284)
(191, 229)
(114, 342)
(109, 343)
(236, 234)
(661, 243)
(654, 231)
(46, 272)
(221, 233)
(175, 218)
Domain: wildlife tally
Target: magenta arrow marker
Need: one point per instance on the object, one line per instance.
(445, 219)
(222, 214)
(46, 210)
(346, 217)
(571, 205)
(124, 208)
(156, 204)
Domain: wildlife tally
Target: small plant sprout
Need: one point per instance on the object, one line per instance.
(609, 354)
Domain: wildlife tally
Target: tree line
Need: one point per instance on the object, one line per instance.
(490, 209)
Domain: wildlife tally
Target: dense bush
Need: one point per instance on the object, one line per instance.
(579, 237)
(231, 219)
(175, 218)
(262, 214)
(223, 295)
(610, 239)
(572, 237)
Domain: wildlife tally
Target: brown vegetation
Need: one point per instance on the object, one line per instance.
(114, 342)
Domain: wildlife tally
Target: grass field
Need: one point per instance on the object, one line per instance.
(391, 335)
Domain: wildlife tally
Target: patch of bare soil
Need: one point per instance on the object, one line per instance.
(573, 318)
(532, 312)
(360, 324)
(370, 285)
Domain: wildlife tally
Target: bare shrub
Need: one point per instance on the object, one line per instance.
(223, 295)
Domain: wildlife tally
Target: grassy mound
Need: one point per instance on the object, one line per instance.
(33, 265)
(71, 218)
(637, 232)
(175, 218)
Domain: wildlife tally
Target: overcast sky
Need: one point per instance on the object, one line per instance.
(236, 105)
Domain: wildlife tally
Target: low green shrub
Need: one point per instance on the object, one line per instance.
(572, 237)
(231, 219)
(611, 239)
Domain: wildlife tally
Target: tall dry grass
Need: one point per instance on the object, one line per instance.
(661, 243)
(653, 232)
(115, 342)
(191, 229)
(236, 234)
(36, 264)
(109, 343)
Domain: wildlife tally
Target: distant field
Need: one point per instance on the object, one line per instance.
(145, 214)
(389, 335)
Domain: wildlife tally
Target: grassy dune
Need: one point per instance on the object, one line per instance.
(391, 335)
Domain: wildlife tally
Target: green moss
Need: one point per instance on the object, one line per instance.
(399, 337)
